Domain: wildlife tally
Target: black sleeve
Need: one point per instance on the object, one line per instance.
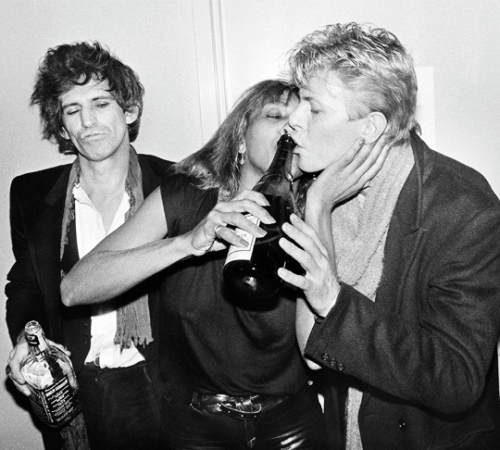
(24, 298)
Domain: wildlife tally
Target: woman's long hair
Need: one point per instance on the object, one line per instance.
(216, 164)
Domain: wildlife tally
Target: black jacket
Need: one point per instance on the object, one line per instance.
(424, 353)
(33, 290)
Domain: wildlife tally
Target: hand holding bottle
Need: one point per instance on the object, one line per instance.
(250, 272)
(214, 234)
(18, 354)
(319, 282)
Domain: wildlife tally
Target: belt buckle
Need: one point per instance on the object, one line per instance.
(241, 408)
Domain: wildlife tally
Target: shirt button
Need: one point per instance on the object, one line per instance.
(402, 424)
(340, 367)
(325, 357)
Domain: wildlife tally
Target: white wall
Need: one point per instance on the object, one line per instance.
(458, 38)
(159, 39)
(193, 71)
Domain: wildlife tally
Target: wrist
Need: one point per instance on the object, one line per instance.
(185, 246)
(316, 208)
(21, 337)
(318, 319)
(321, 311)
(176, 249)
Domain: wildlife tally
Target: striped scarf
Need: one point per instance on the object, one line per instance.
(133, 320)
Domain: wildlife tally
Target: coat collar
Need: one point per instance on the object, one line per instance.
(409, 208)
(149, 176)
(58, 190)
(44, 236)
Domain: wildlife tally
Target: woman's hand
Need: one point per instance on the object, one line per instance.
(216, 230)
(319, 282)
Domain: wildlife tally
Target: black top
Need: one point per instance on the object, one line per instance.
(210, 342)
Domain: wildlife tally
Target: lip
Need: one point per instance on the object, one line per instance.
(92, 136)
(294, 138)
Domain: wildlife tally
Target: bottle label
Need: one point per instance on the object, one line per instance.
(243, 253)
(55, 404)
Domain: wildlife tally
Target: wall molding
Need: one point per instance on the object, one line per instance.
(211, 65)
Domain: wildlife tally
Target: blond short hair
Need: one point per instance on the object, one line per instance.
(372, 63)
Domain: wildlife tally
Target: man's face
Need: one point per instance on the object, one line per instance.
(320, 123)
(94, 121)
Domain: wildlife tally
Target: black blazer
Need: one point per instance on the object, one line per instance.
(424, 353)
(33, 289)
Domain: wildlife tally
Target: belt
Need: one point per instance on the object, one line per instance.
(245, 407)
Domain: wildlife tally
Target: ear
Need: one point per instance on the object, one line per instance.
(131, 115)
(376, 123)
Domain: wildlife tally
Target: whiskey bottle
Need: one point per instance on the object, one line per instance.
(50, 377)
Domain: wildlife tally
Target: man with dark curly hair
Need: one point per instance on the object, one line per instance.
(90, 105)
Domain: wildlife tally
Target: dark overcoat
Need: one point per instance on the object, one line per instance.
(424, 353)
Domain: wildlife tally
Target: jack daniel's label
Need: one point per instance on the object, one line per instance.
(54, 404)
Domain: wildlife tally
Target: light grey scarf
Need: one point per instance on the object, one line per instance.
(359, 229)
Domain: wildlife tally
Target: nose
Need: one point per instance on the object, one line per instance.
(295, 118)
(88, 117)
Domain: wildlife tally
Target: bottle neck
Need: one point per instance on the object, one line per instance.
(282, 163)
(35, 338)
(281, 166)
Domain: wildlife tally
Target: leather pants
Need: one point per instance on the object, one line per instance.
(201, 423)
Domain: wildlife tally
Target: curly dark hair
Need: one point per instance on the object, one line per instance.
(68, 65)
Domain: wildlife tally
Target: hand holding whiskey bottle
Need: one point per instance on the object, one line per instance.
(53, 388)
(50, 377)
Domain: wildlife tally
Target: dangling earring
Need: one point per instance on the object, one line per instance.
(240, 157)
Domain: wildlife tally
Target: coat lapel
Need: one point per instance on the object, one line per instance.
(43, 237)
(404, 237)
(44, 233)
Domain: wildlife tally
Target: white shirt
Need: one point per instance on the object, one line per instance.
(89, 232)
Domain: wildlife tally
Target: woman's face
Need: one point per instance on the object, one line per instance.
(265, 128)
